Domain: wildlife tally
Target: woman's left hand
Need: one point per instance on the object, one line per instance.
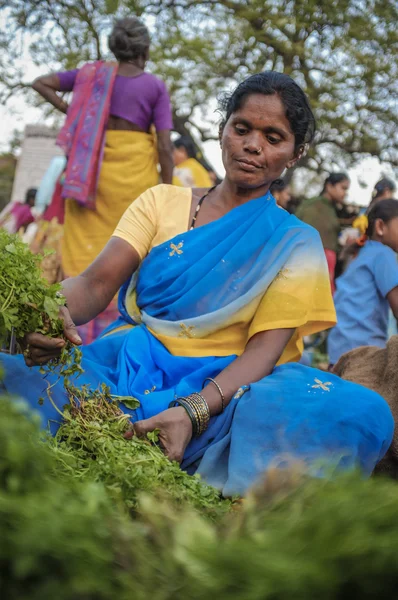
(175, 431)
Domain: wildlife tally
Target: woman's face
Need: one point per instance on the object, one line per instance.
(338, 191)
(179, 155)
(257, 143)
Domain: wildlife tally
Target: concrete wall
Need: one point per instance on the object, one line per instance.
(38, 148)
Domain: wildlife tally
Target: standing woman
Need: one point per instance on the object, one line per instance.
(188, 172)
(108, 139)
(320, 212)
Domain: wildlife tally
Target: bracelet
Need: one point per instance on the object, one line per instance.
(197, 409)
(219, 389)
(189, 411)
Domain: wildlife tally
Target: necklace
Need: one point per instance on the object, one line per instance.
(199, 207)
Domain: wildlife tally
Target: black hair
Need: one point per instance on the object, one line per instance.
(383, 185)
(333, 179)
(30, 194)
(384, 210)
(185, 142)
(278, 186)
(129, 39)
(297, 109)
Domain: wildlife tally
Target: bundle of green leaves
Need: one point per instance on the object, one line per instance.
(90, 444)
(65, 536)
(28, 303)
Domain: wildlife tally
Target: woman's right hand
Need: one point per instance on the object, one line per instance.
(40, 349)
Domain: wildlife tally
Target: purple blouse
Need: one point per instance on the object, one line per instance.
(142, 100)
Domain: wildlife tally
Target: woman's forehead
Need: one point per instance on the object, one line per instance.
(264, 110)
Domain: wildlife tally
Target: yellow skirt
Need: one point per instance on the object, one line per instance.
(129, 167)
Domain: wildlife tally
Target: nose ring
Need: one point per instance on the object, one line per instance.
(259, 151)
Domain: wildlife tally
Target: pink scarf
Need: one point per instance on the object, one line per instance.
(83, 134)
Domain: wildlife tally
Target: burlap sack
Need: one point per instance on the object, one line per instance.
(376, 369)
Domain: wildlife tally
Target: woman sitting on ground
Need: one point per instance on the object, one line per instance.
(219, 287)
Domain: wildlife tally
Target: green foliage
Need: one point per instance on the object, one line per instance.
(66, 536)
(343, 54)
(60, 538)
(90, 444)
(28, 303)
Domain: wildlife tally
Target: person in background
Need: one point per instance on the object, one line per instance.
(281, 192)
(111, 148)
(189, 172)
(369, 286)
(18, 215)
(320, 212)
(384, 189)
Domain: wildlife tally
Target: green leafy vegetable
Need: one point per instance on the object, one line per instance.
(29, 304)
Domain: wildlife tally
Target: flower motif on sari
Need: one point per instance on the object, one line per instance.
(186, 332)
(283, 274)
(322, 385)
(176, 249)
(150, 391)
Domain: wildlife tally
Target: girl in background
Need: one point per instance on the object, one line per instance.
(369, 286)
(189, 172)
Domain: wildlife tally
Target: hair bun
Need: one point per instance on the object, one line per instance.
(129, 39)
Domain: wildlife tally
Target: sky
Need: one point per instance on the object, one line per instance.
(17, 114)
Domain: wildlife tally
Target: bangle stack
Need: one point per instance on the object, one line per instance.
(197, 410)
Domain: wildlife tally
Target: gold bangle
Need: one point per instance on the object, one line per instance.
(201, 409)
(219, 389)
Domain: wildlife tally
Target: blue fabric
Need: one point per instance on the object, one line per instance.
(48, 183)
(361, 304)
(296, 411)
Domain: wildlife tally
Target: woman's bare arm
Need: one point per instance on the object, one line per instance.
(257, 361)
(47, 86)
(165, 153)
(90, 293)
(87, 295)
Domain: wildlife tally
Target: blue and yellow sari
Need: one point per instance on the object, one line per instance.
(189, 312)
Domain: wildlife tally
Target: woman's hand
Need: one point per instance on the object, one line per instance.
(40, 349)
(175, 431)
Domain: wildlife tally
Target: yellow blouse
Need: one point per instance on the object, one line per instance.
(191, 173)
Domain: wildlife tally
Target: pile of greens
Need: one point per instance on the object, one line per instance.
(90, 444)
(68, 537)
